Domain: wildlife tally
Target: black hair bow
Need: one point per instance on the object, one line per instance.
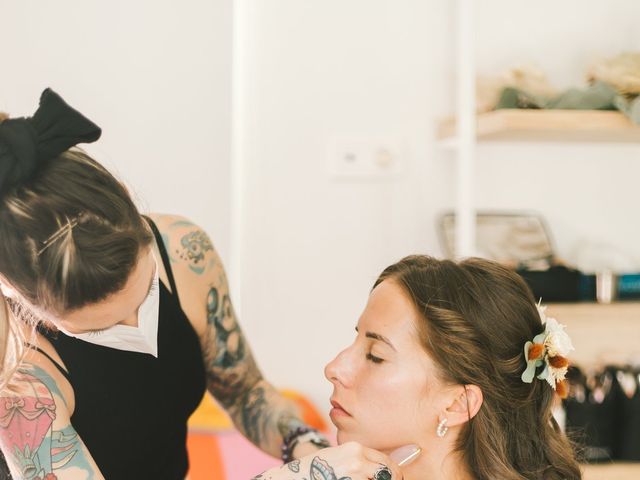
(26, 143)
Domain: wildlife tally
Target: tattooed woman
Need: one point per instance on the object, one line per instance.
(112, 324)
(457, 360)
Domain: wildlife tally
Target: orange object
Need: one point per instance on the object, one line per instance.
(205, 458)
(535, 351)
(558, 362)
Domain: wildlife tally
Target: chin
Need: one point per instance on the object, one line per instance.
(343, 437)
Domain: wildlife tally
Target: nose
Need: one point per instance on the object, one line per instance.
(339, 370)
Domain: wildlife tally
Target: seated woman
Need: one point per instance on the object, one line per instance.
(454, 359)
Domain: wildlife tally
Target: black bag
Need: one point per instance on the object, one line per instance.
(592, 413)
(627, 447)
(555, 284)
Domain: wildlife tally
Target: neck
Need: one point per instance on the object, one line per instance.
(438, 462)
(132, 321)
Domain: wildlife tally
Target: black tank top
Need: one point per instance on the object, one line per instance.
(131, 409)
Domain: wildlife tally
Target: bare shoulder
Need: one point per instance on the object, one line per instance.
(195, 264)
(36, 435)
(44, 364)
(186, 242)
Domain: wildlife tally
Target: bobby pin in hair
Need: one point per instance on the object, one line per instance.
(63, 230)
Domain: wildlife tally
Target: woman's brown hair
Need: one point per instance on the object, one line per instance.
(477, 316)
(93, 234)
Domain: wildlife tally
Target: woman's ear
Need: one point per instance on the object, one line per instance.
(465, 405)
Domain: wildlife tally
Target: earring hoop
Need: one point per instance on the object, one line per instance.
(442, 429)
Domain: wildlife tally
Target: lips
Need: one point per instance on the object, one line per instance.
(338, 409)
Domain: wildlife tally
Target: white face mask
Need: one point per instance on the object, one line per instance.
(142, 339)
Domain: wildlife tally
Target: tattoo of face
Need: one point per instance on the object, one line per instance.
(194, 245)
(256, 415)
(229, 363)
(321, 470)
(294, 466)
(230, 348)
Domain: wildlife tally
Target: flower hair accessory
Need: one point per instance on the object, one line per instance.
(548, 349)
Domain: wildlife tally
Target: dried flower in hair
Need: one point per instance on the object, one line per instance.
(556, 341)
(536, 351)
(558, 362)
(548, 350)
(561, 389)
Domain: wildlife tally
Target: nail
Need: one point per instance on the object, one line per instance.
(405, 455)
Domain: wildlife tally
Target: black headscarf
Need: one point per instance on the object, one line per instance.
(26, 143)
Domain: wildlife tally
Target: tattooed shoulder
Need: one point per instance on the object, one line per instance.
(186, 242)
(191, 245)
(192, 248)
(35, 435)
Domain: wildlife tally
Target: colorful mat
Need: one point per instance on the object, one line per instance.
(218, 452)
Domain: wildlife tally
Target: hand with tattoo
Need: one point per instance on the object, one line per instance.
(350, 461)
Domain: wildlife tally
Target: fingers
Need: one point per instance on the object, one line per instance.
(350, 460)
(375, 463)
(386, 469)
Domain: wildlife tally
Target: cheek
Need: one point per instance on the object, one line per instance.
(394, 407)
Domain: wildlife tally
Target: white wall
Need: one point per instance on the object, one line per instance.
(317, 69)
(154, 74)
(313, 245)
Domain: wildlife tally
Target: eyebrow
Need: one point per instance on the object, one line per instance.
(377, 336)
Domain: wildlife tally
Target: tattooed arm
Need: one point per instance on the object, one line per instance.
(36, 436)
(233, 377)
(350, 461)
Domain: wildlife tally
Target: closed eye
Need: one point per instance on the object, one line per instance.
(374, 359)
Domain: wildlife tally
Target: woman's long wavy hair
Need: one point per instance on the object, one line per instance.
(85, 264)
(476, 317)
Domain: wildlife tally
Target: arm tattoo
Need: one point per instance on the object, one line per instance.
(294, 466)
(27, 432)
(321, 470)
(230, 365)
(256, 415)
(230, 348)
(233, 377)
(193, 247)
(288, 423)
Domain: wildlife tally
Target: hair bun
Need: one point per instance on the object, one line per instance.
(25, 143)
